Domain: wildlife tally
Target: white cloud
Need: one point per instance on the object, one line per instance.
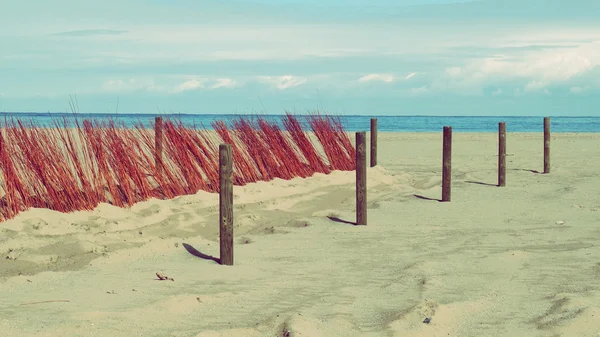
(535, 85)
(387, 78)
(205, 83)
(224, 83)
(454, 71)
(448, 57)
(409, 76)
(579, 90)
(536, 70)
(283, 82)
(131, 84)
(170, 84)
(190, 85)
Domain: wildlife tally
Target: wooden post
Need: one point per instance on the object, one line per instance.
(546, 144)
(226, 204)
(361, 179)
(447, 164)
(502, 154)
(373, 142)
(158, 144)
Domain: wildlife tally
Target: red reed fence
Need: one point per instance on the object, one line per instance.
(67, 168)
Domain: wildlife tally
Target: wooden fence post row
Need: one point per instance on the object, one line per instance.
(225, 204)
(226, 176)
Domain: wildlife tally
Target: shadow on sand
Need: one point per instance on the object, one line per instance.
(526, 170)
(336, 219)
(426, 198)
(199, 254)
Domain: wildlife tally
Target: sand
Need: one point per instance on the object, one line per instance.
(522, 260)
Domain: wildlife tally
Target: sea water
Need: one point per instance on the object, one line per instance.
(350, 123)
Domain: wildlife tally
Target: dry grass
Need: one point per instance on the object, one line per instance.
(67, 169)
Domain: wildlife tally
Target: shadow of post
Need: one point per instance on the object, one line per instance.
(336, 219)
(426, 198)
(526, 170)
(199, 254)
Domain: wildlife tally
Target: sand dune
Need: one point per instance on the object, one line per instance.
(523, 260)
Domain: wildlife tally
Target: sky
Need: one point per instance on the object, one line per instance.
(345, 57)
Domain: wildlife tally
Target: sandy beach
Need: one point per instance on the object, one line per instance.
(521, 260)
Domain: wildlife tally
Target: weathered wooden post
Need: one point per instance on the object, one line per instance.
(447, 164)
(361, 179)
(502, 154)
(158, 144)
(373, 142)
(226, 204)
(546, 144)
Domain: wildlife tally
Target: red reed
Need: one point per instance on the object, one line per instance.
(67, 168)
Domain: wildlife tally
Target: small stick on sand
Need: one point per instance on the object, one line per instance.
(51, 301)
(164, 277)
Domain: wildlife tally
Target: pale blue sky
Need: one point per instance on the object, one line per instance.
(384, 57)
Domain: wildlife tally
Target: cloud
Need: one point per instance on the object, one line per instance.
(409, 76)
(454, 71)
(224, 83)
(387, 78)
(579, 90)
(535, 86)
(536, 70)
(283, 82)
(90, 32)
(190, 85)
(169, 84)
(206, 48)
(497, 92)
(131, 84)
(202, 83)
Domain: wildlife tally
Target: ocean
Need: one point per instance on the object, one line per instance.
(352, 123)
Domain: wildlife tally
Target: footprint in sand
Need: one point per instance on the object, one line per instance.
(245, 240)
(426, 183)
(596, 270)
(427, 308)
(240, 207)
(42, 259)
(11, 255)
(99, 222)
(187, 200)
(35, 223)
(413, 318)
(560, 311)
(298, 223)
(149, 211)
(327, 213)
(248, 220)
(91, 247)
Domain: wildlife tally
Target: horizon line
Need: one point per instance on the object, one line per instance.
(283, 114)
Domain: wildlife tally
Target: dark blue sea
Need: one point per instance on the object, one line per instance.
(351, 123)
